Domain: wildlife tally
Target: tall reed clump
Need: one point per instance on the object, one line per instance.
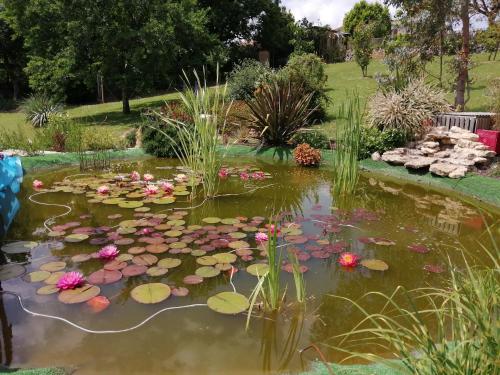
(197, 141)
(348, 136)
(456, 332)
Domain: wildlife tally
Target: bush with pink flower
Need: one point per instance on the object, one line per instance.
(70, 280)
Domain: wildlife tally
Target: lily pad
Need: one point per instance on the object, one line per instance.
(145, 260)
(156, 249)
(198, 253)
(150, 293)
(375, 264)
(164, 200)
(239, 245)
(230, 221)
(80, 258)
(178, 245)
(124, 257)
(156, 271)
(383, 241)
(207, 271)
(173, 233)
(130, 204)
(19, 247)
(47, 289)
(79, 295)
(76, 237)
(211, 220)
(53, 278)
(417, 248)
(104, 276)
(192, 279)
(53, 266)
(134, 270)
(180, 291)
(237, 235)
(225, 257)
(136, 250)
(11, 271)
(206, 260)
(228, 303)
(258, 269)
(36, 276)
(169, 263)
(434, 268)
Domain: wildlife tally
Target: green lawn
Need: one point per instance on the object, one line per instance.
(342, 78)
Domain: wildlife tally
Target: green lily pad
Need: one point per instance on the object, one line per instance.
(145, 260)
(207, 271)
(228, 303)
(156, 271)
(150, 293)
(80, 258)
(142, 209)
(130, 204)
(126, 230)
(211, 220)
(47, 289)
(225, 257)
(19, 247)
(164, 200)
(176, 222)
(258, 269)
(36, 276)
(124, 257)
(173, 233)
(169, 263)
(11, 271)
(239, 245)
(54, 278)
(79, 295)
(76, 237)
(53, 266)
(113, 200)
(178, 245)
(182, 192)
(198, 253)
(237, 235)
(230, 221)
(206, 260)
(375, 264)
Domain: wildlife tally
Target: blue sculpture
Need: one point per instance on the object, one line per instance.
(11, 177)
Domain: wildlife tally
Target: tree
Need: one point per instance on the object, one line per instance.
(363, 47)
(490, 40)
(364, 13)
(463, 60)
(488, 8)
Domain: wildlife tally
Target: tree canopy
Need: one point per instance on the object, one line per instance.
(364, 13)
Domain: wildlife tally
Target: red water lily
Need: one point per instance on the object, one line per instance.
(348, 259)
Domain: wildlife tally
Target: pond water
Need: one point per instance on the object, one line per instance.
(412, 230)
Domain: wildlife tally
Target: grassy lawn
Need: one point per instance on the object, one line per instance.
(342, 79)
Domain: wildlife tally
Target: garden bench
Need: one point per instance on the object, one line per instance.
(465, 120)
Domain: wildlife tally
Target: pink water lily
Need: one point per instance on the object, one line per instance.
(108, 252)
(103, 190)
(167, 187)
(135, 176)
(244, 176)
(151, 189)
(261, 237)
(258, 175)
(348, 259)
(70, 280)
(148, 177)
(37, 184)
(146, 231)
(272, 228)
(223, 173)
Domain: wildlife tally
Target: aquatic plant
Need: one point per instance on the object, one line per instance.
(198, 142)
(306, 155)
(348, 136)
(148, 177)
(37, 184)
(70, 280)
(151, 189)
(298, 279)
(167, 187)
(348, 259)
(135, 176)
(259, 175)
(223, 173)
(244, 176)
(457, 333)
(261, 237)
(103, 190)
(108, 252)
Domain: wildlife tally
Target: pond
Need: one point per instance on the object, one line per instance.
(416, 232)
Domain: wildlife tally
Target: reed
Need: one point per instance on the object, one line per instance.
(298, 279)
(348, 136)
(456, 333)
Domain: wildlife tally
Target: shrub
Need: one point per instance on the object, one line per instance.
(131, 138)
(373, 139)
(362, 47)
(245, 78)
(306, 155)
(309, 70)
(493, 94)
(279, 109)
(62, 134)
(38, 108)
(100, 139)
(20, 140)
(406, 110)
(313, 138)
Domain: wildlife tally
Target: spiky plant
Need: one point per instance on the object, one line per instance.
(38, 108)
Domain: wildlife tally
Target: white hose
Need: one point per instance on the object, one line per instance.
(68, 208)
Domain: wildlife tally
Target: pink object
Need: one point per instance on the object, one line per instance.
(272, 228)
(37, 184)
(167, 187)
(490, 138)
(244, 176)
(148, 177)
(223, 173)
(348, 259)
(103, 190)
(108, 252)
(70, 280)
(135, 176)
(151, 189)
(258, 175)
(261, 237)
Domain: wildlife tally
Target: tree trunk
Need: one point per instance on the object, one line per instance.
(463, 73)
(441, 47)
(15, 89)
(125, 101)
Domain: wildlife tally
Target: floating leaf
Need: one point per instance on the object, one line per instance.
(134, 270)
(145, 260)
(53, 266)
(47, 289)
(375, 264)
(178, 245)
(76, 237)
(434, 268)
(104, 276)
(79, 295)
(192, 279)
(180, 291)
(176, 222)
(230, 221)
(206, 260)
(184, 192)
(169, 263)
(11, 271)
(164, 200)
(198, 253)
(225, 257)
(137, 250)
(36, 276)
(173, 233)
(211, 220)
(156, 249)
(54, 278)
(417, 248)
(239, 245)
(130, 204)
(156, 271)
(223, 266)
(258, 269)
(237, 235)
(150, 293)
(80, 258)
(124, 257)
(228, 303)
(289, 268)
(383, 241)
(19, 247)
(207, 271)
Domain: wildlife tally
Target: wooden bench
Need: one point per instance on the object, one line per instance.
(465, 120)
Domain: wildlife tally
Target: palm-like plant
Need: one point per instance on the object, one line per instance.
(278, 109)
(38, 108)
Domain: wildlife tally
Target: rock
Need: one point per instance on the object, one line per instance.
(394, 157)
(480, 146)
(456, 129)
(418, 163)
(464, 162)
(429, 151)
(456, 137)
(458, 173)
(480, 160)
(430, 144)
(376, 156)
(442, 154)
(442, 169)
(466, 143)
